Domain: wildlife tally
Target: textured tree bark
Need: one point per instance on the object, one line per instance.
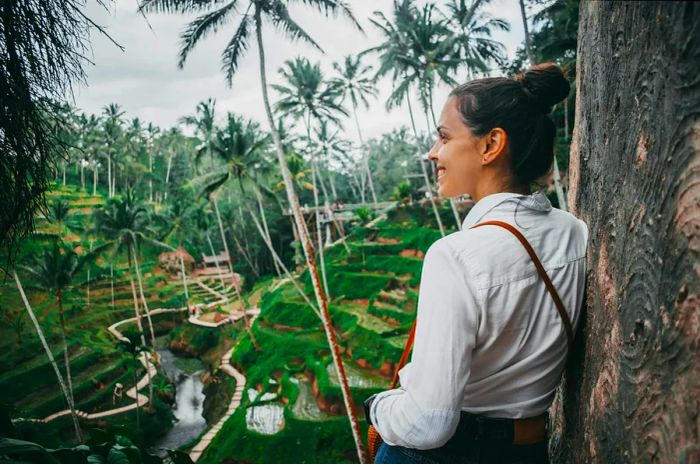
(633, 384)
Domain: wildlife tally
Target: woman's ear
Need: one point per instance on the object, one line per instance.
(493, 144)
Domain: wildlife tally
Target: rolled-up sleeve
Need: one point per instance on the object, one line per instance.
(424, 412)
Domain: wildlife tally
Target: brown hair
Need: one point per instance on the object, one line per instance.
(521, 107)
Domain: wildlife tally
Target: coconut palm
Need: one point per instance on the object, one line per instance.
(52, 361)
(473, 29)
(355, 82)
(112, 126)
(214, 14)
(307, 96)
(58, 213)
(53, 272)
(204, 124)
(124, 223)
(401, 55)
(555, 165)
(176, 219)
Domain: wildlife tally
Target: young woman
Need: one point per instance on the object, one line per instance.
(491, 342)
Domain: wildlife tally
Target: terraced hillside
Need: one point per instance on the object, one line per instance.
(27, 381)
(293, 411)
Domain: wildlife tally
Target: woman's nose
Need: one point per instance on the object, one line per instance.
(432, 154)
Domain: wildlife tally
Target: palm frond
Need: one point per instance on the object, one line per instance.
(235, 48)
(200, 27)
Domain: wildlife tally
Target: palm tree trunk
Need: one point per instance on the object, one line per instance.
(221, 230)
(66, 360)
(143, 296)
(265, 227)
(136, 383)
(277, 259)
(150, 327)
(319, 233)
(184, 278)
(245, 255)
(136, 298)
(244, 305)
(365, 160)
(561, 197)
(245, 238)
(94, 179)
(221, 277)
(109, 174)
(52, 361)
(428, 187)
(308, 251)
(150, 172)
(528, 47)
(566, 118)
(167, 174)
(111, 281)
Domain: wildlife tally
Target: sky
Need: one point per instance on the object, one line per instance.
(145, 80)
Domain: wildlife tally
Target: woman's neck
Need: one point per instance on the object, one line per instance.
(500, 187)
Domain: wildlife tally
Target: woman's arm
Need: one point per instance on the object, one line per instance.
(424, 412)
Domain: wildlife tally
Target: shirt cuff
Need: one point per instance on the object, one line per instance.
(377, 399)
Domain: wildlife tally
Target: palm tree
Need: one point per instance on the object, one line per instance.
(332, 148)
(473, 28)
(151, 133)
(204, 124)
(355, 82)
(124, 223)
(176, 219)
(252, 19)
(112, 126)
(401, 53)
(53, 272)
(308, 97)
(58, 213)
(555, 165)
(52, 361)
(306, 94)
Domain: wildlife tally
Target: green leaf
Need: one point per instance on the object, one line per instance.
(117, 457)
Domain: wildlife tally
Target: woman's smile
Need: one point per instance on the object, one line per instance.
(440, 173)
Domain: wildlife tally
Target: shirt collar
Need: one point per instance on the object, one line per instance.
(537, 201)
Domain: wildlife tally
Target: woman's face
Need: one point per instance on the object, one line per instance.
(456, 154)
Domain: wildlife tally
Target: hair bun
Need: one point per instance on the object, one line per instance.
(545, 84)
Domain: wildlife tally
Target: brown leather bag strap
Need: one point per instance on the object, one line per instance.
(540, 269)
(404, 355)
(550, 286)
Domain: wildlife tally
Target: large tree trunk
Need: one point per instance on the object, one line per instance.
(633, 382)
(308, 252)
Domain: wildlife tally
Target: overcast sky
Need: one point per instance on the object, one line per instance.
(145, 81)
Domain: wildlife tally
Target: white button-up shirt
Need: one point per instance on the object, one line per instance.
(489, 339)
